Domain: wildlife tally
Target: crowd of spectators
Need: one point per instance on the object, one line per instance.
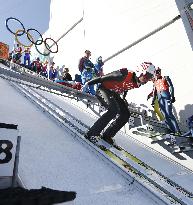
(86, 71)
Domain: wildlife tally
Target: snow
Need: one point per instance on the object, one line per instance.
(87, 116)
(51, 157)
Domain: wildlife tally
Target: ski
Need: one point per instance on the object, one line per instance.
(149, 134)
(102, 144)
(163, 137)
(175, 143)
(154, 135)
(135, 132)
(187, 149)
(184, 149)
(105, 145)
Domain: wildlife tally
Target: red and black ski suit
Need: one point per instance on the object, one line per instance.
(110, 89)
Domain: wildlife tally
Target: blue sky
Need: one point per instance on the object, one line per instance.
(33, 14)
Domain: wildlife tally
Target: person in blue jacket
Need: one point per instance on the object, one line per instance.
(98, 67)
(27, 57)
(86, 68)
(53, 72)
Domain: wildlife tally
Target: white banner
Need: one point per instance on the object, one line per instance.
(8, 143)
(185, 8)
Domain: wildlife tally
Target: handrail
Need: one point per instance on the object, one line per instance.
(144, 37)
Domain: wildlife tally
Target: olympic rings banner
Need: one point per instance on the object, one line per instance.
(37, 42)
(4, 51)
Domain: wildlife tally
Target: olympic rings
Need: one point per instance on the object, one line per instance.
(44, 54)
(51, 46)
(28, 36)
(16, 38)
(6, 24)
(31, 39)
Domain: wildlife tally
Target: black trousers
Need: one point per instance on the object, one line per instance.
(116, 107)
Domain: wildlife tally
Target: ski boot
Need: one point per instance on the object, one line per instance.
(93, 139)
(112, 142)
(176, 144)
(109, 140)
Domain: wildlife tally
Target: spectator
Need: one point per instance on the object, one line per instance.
(32, 66)
(27, 56)
(86, 68)
(57, 74)
(10, 56)
(98, 67)
(66, 75)
(53, 72)
(60, 72)
(37, 66)
(17, 53)
(44, 69)
(78, 78)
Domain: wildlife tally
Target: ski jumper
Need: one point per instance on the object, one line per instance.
(109, 91)
(164, 90)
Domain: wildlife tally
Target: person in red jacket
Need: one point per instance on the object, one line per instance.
(37, 65)
(17, 54)
(111, 93)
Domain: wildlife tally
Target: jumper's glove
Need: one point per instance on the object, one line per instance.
(85, 88)
(173, 99)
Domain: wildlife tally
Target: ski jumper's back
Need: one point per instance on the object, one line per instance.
(127, 83)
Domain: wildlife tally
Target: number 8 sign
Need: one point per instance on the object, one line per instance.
(8, 149)
(5, 148)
